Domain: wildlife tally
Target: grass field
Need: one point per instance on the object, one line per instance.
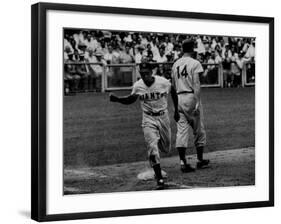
(98, 132)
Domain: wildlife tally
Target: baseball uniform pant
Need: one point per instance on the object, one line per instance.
(189, 120)
(157, 135)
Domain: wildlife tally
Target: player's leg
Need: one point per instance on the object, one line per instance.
(200, 139)
(182, 142)
(151, 136)
(164, 142)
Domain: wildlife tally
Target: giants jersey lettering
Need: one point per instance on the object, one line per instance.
(154, 98)
(183, 72)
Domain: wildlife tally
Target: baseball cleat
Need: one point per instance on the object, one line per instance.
(187, 168)
(203, 164)
(160, 184)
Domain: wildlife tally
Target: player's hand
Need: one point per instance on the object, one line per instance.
(177, 116)
(196, 109)
(113, 98)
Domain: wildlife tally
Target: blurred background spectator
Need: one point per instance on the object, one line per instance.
(140, 43)
(115, 47)
(71, 79)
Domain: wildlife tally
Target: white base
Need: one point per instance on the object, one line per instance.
(149, 174)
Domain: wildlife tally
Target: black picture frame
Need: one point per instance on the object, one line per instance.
(39, 114)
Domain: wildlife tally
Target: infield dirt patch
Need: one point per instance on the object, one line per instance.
(228, 168)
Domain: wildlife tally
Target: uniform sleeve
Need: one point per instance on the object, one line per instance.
(198, 67)
(135, 89)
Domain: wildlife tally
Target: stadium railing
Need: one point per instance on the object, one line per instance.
(123, 76)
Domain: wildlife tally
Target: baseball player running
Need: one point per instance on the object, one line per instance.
(188, 113)
(152, 91)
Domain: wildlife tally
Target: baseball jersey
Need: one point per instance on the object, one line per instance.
(183, 72)
(155, 97)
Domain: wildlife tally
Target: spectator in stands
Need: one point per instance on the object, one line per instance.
(79, 37)
(214, 43)
(211, 61)
(144, 40)
(168, 45)
(226, 49)
(112, 56)
(75, 56)
(128, 38)
(246, 44)
(126, 71)
(217, 58)
(210, 74)
(83, 72)
(227, 76)
(67, 51)
(99, 69)
(250, 53)
(67, 44)
(153, 47)
(125, 56)
(149, 58)
(176, 52)
(234, 68)
(162, 57)
(72, 42)
(139, 55)
(226, 52)
(200, 46)
(91, 42)
(147, 50)
(71, 79)
(82, 36)
(82, 47)
(91, 58)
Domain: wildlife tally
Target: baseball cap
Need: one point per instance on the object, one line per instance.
(145, 65)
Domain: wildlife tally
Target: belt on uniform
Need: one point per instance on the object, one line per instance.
(183, 92)
(160, 113)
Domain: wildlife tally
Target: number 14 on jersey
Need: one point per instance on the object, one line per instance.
(182, 71)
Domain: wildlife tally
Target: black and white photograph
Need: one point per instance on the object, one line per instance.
(142, 111)
(146, 111)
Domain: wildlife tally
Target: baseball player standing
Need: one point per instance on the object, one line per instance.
(188, 113)
(152, 91)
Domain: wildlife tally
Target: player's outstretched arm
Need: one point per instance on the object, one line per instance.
(124, 99)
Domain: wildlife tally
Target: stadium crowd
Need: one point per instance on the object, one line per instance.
(110, 47)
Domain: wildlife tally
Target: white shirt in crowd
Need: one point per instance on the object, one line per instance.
(169, 48)
(113, 57)
(128, 38)
(250, 52)
(214, 44)
(161, 59)
(138, 58)
(92, 44)
(200, 46)
(66, 43)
